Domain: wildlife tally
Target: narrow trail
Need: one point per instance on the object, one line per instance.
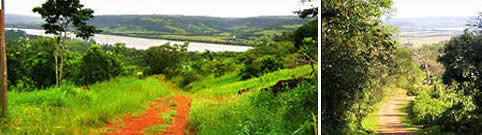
(389, 117)
(131, 125)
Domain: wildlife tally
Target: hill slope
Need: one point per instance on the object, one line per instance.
(185, 28)
(197, 28)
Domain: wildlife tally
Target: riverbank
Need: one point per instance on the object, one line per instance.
(144, 43)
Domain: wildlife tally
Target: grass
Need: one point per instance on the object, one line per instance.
(370, 122)
(167, 118)
(218, 109)
(73, 110)
(405, 120)
(231, 83)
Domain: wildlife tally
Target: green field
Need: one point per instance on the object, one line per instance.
(75, 110)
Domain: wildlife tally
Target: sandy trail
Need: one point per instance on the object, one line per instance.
(389, 117)
(134, 125)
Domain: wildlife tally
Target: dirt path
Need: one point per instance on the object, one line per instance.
(180, 120)
(131, 125)
(389, 117)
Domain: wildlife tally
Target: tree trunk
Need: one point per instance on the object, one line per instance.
(62, 58)
(3, 61)
(427, 72)
(57, 62)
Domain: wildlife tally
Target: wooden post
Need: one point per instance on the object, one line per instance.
(3, 61)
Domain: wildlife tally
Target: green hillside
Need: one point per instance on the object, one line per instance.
(241, 31)
(197, 28)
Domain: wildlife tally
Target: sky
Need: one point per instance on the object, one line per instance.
(219, 8)
(431, 8)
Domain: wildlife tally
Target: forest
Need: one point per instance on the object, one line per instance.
(61, 85)
(434, 89)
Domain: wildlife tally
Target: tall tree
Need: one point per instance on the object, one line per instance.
(3, 61)
(357, 54)
(60, 15)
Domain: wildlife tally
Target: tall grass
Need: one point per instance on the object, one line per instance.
(255, 112)
(74, 110)
(232, 83)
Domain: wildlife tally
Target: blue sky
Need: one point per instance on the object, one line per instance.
(220, 8)
(426, 8)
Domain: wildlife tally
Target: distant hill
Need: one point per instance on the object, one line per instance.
(197, 28)
(21, 19)
(416, 32)
(186, 28)
(429, 23)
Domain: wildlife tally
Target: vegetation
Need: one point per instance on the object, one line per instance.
(355, 63)
(59, 15)
(96, 66)
(75, 110)
(218, 109)
(241, 31)
(104, 83)
(451, 104)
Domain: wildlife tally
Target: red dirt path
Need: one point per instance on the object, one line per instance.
(135, 125)
(180, 120)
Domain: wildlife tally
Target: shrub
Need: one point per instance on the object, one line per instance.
(164, 59)
(427, 109)
(260, 112)
(222, 67)
(97, 66)
(31, 63)
(265, 64)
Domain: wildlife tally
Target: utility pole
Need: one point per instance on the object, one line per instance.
(3, 65)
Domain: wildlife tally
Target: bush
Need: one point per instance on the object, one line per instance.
(461, 59)
(427, 109)
(222, 67)
(31, 63)
(261, 65)
(97, 66)
(260, 112)
(445, 109)
(165, 59)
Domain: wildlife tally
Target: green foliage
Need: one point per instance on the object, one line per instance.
(196, 28)
(96, 66)
(31, 63)
(357, 53)
(442, 108)
(164, 59)
(267, 57)
(257, 112)
(223, 67)
(461, 59)
(14, 35)
(307, 30)
(59, 14)
(429, 104)
(74, 110)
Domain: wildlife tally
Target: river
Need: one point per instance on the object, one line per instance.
(144, 43)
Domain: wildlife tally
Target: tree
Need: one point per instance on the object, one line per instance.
(60, 15)
(475, 24)
(357, 54)
(96, 66)
(312, 11)
(3, 61)
(164, 59)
